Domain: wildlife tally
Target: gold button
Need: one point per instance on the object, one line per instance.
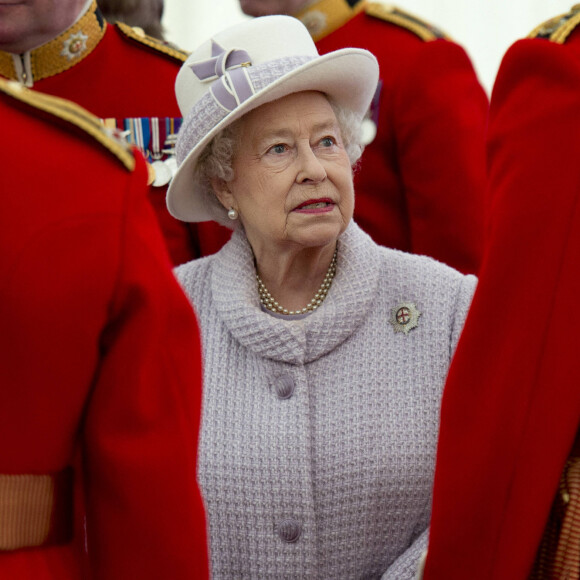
(139, 31)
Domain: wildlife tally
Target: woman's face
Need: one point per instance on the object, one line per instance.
(293, 179)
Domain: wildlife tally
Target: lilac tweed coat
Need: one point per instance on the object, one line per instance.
(318, 435)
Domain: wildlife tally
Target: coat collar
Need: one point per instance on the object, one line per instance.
(59, 54)
(235, 294)
(323, 17)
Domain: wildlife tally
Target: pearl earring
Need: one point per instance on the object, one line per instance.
(233, 214)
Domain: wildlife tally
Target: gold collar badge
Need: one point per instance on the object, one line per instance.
(57, 55)
(74, 45)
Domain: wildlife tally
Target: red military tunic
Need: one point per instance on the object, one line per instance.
(119, 75)
(511, 406)
(99, 359)
(421, 184)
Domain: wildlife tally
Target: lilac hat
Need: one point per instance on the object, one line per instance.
(243, 67)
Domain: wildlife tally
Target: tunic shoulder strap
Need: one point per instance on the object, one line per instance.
(559, 28)
(424, 30)
(137, 35)
(58, 110)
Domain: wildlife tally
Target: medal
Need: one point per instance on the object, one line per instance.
(163, 173)
(155, 137)
(371, 121)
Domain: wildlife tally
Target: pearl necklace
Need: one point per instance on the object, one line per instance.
(268, 301)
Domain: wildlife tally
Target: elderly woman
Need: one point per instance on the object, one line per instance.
(324, 354)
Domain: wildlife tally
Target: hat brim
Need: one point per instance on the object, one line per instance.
(348, 77)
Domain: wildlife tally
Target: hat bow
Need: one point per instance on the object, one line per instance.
(226, 68)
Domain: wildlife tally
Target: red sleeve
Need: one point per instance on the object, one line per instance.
(180, 237)
(511, 404)
(440, 115)
(99, 359)
(144, 511)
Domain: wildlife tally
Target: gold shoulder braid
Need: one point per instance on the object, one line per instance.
(58, 55)
(325, 16)
(394, 15)
(73, 114)
(137, 34)
(558, 29)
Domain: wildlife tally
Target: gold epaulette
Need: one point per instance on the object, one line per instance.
(137, 34)
(558, 29)
(73, 114)
(394, 15)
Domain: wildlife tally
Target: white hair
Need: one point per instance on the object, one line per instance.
(216, 160)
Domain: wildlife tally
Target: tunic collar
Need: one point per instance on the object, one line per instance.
(235, 294)
(59, 54)
(325, 16)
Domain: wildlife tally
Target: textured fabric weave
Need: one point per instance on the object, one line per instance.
(346, 462)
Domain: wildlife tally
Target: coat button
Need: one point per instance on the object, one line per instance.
(284, 386)
(289, 531)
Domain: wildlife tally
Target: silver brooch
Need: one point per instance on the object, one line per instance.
(405, 317)
(74, 45)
